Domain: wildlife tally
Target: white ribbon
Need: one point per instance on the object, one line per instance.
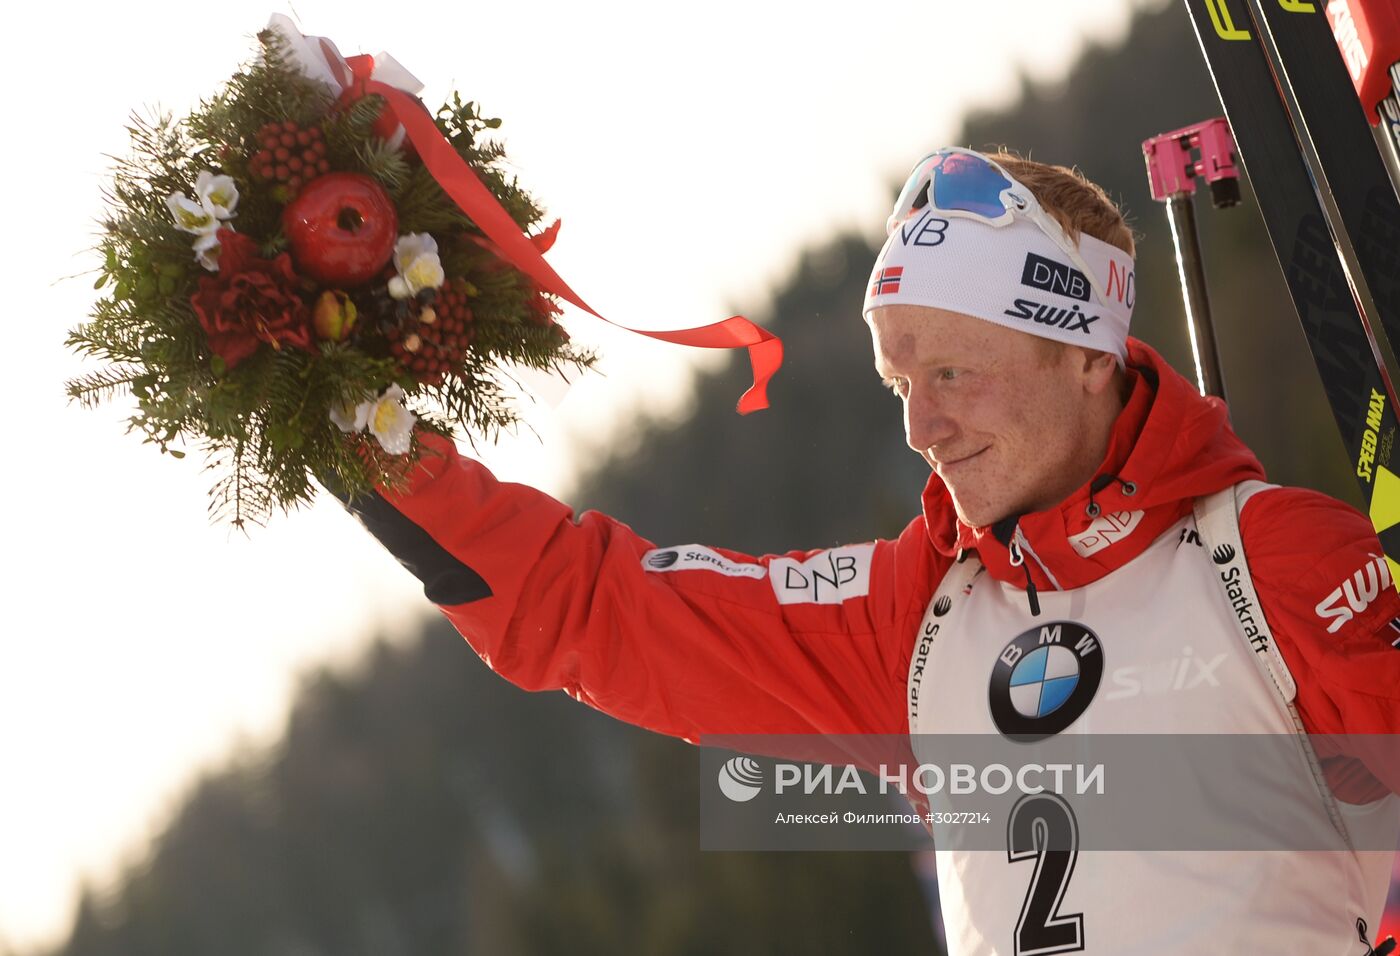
(319, 59)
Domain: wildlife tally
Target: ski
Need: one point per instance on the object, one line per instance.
(1335, 136)
(1337, 331)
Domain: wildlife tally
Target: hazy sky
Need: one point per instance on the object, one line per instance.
(691, 152)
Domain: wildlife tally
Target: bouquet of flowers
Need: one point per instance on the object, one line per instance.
(307, 256)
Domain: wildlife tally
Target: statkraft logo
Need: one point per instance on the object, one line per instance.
(695, 557)
(1240, 602)
(1355, 594)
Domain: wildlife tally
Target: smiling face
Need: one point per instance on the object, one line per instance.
(1012, 423)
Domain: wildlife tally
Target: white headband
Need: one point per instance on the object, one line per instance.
(1012, 275)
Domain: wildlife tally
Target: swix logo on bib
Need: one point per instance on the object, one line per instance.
(1044, 678)
(827, 577)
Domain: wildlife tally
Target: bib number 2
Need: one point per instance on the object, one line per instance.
(1042, 828)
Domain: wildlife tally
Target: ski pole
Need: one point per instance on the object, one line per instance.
(1172, 175)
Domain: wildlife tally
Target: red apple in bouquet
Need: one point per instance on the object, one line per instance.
(342, 229)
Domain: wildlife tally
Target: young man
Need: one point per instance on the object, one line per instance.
(1069, 463)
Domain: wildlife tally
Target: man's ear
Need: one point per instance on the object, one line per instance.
(1098, 369)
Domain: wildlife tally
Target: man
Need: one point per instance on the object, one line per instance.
(1069, 465)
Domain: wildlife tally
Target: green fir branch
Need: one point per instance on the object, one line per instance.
(269, 88)
(92, 389)
(384, 162)
(350, 127)
(424, 207)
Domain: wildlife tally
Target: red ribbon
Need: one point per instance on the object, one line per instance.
(460, 182)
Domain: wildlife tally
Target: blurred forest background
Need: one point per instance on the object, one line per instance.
(420, 805)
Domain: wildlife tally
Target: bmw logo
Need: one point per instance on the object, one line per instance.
(1044, 679)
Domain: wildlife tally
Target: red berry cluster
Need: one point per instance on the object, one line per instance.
(431, 344)
(289, 155)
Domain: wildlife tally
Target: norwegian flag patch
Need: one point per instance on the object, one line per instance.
(886, 281)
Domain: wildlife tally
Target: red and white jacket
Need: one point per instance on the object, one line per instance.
(690, 640)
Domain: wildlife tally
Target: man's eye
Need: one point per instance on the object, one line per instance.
(948, 374)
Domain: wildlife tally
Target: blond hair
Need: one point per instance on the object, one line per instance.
(1077, 204)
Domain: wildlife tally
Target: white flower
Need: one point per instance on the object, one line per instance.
(191, 216)
(207, 249)
(386, 418)
(391, 423)
(412, 246)
(350, 417)
(416, 259)
(218, 194)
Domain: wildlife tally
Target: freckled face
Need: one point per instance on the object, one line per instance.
(1004, 425)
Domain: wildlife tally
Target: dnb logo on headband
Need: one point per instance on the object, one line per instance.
(1056, 277)
(1043, 679)
(927, 230)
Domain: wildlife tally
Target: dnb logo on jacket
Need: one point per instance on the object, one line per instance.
(1044, 678)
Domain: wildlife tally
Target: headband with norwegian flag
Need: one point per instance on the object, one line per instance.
(1011, 275)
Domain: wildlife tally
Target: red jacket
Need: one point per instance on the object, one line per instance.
(554, 601)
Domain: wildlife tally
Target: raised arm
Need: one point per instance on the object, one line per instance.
(684, 640)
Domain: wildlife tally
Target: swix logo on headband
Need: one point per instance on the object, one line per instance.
(886, 280)
(1070, 319)
(1056, 277)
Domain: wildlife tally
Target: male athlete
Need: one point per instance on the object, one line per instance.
(1074, 478)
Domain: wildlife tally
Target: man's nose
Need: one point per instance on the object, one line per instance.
(926, 422)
